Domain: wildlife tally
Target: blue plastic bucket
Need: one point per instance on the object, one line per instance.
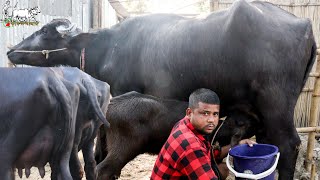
(257, 162)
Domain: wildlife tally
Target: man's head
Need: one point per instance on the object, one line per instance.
(203, 110)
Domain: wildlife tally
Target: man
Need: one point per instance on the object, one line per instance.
(186, 153)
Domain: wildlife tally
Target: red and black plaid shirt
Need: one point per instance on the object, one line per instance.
(185, 154)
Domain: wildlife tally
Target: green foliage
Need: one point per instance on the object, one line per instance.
(137, 6)
(203, 6)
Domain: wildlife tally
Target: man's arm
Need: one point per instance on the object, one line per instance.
(195, 163)
(224, 152)
(225, 149)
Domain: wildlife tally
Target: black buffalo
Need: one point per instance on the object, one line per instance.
(93, 103)
(253, 54)
(90, 106)
(142, 123)
(37, 113)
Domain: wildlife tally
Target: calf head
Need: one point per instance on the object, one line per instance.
(237, 125)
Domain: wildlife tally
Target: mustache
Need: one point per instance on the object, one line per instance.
(211, 124)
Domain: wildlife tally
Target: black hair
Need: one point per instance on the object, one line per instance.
(203, 95)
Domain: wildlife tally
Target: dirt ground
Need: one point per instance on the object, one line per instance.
(140, 168)
(300, 172)
(137, 169)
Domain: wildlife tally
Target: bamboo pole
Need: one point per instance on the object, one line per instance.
(313, 118)
(214, 5)
(211, 5)
(314, 75)
(96, 14)
(313, 171)
(308, 129)
(284, 4)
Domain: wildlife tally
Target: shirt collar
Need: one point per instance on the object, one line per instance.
(191, 127)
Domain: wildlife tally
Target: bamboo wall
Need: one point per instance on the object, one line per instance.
(305, 9)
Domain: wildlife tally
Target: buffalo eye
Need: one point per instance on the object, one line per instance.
(44, 30)
(240, 123)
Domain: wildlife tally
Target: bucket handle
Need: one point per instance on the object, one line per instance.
(253, 176)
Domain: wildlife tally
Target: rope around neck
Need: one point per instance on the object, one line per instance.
(215, 134)
(44, 52)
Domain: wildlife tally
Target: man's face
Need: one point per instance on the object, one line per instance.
(205, 117)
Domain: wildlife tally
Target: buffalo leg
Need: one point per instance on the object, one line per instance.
(57, 171)
(109, 168)
(119, 154)
(90, 163)
(75, 165)
(6, 173)
(277, 118)
(101, 148)
(54, 170)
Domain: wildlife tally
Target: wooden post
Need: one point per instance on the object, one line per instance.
(313, 118)
(313, 171)
(96, 14)
(213, 5)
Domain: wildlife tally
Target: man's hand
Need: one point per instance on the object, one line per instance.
(247, 141)
(225, 149)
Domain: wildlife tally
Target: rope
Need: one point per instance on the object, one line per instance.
(44, 52)
(214, 136)
(82, 59)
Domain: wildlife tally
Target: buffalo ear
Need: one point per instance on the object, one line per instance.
(81, 40)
